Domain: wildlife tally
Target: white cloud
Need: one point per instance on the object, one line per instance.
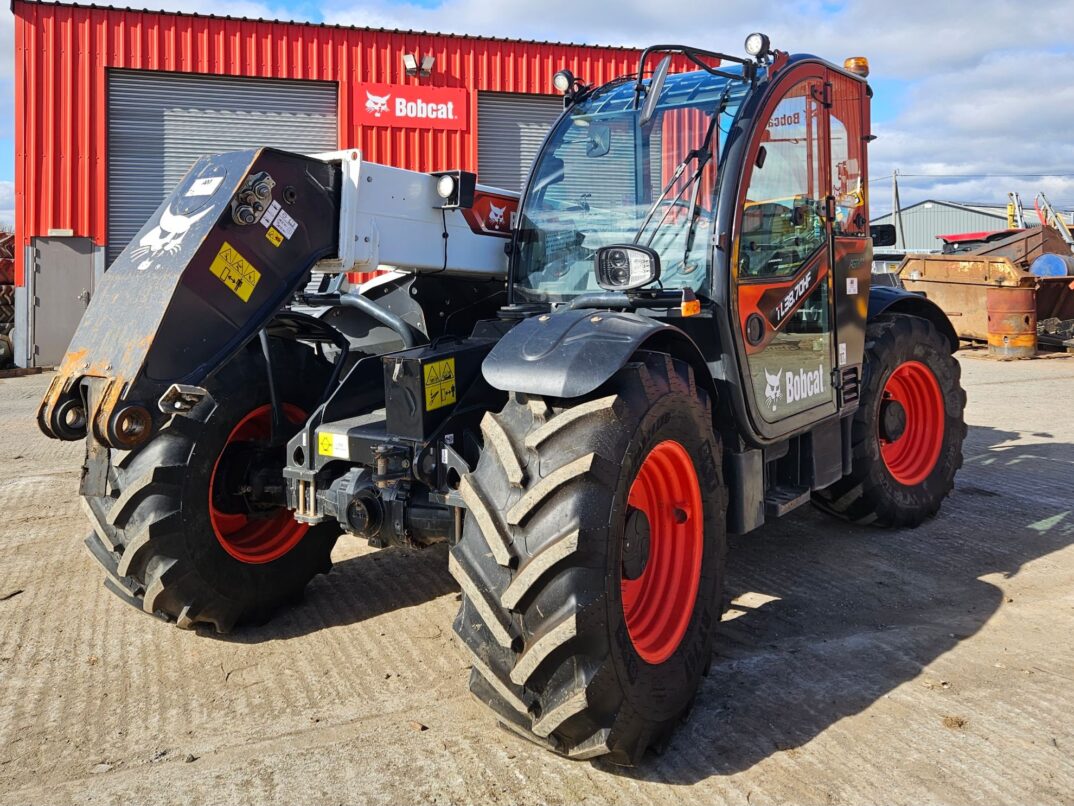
(903, 40)
(992, 118)
(983, 78)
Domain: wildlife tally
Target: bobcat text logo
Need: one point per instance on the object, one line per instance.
(771, 390)
(797, 386)
(495, 217)
(376, 104)
(789, 119)
(423, 109)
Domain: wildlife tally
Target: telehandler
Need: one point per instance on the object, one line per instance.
(669, 336)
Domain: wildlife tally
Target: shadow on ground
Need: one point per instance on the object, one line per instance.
(835, 616)
(357, 589)
(829, 618)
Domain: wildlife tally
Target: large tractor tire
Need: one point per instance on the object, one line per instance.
(907, 433)
(176, 534)
(592, 561)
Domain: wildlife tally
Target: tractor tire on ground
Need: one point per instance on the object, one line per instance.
(907, 434)
(6, 328)
(171, 547)
(7, 312)
(592, 561)
(7, 296)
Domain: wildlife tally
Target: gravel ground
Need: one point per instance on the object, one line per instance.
(919, 666)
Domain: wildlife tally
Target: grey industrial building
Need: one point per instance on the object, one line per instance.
(922, 223)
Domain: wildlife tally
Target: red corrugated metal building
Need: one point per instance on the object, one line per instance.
(113, 104)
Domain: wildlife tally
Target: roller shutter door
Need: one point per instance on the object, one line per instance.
(160, 123)
(510, 130)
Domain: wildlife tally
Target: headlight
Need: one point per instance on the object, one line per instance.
(445, 186)
(622, 268)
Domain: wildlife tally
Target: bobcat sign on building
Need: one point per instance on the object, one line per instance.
(156, 90)
(401, 105)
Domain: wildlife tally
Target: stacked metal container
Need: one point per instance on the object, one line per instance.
(7, 296)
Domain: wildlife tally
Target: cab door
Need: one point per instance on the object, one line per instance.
(781, 267)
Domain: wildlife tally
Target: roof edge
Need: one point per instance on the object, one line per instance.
(308, 24)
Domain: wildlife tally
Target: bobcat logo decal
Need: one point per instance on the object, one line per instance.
(166, 237)
(495, 216)
(772, 392)
(376, 104)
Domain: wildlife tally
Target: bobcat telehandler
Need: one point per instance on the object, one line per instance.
(668, 337)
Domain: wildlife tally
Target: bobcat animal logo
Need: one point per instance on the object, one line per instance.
(495, 216)
(166, 237)
(376, 104)
(772, 392)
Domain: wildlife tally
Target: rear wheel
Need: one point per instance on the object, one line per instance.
(194, 528)
(591, 561)
(908, 431)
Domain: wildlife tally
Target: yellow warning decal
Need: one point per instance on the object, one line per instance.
(235, 271)
(334, 445)
(275, 236)
(439, 384)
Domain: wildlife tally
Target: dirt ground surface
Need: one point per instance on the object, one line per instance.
(920, 666)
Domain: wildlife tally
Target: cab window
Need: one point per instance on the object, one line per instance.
(782, 223)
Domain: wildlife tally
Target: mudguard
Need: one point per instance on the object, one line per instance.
(218, 259)
(885, 299)
(572, 352)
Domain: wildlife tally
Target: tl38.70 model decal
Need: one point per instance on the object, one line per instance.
(776, 300)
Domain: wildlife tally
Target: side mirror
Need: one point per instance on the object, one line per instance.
(656, 84)
(599, 141)
(882, 234)
(627, 266)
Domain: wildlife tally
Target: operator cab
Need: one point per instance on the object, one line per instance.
(740, 183)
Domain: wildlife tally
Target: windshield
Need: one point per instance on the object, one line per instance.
(601, 179)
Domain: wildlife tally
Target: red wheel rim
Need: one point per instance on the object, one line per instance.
(256, 540)
(912, 456)
(658, 604)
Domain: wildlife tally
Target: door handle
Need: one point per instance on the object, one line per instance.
(84, 297)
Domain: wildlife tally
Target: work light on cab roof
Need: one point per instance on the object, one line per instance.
(757, 45)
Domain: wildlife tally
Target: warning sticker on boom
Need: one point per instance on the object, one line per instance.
(439, 384)
(333, 445)
(235, 272)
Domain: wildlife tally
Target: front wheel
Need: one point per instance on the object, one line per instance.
(592, 561)
(908, 431)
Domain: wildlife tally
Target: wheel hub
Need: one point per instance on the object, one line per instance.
(892, 420)
(247, 516)
(635, 544)
(661, 551)
(910, 423)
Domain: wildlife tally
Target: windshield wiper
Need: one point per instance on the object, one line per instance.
(702, 156)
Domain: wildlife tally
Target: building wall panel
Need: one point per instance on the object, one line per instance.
(63, 54)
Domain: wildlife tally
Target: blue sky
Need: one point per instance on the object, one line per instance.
(970, 95)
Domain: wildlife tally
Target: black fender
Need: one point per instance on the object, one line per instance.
(884, 299)
(572, 352)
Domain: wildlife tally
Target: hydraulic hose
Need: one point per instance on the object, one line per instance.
(382, 315)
